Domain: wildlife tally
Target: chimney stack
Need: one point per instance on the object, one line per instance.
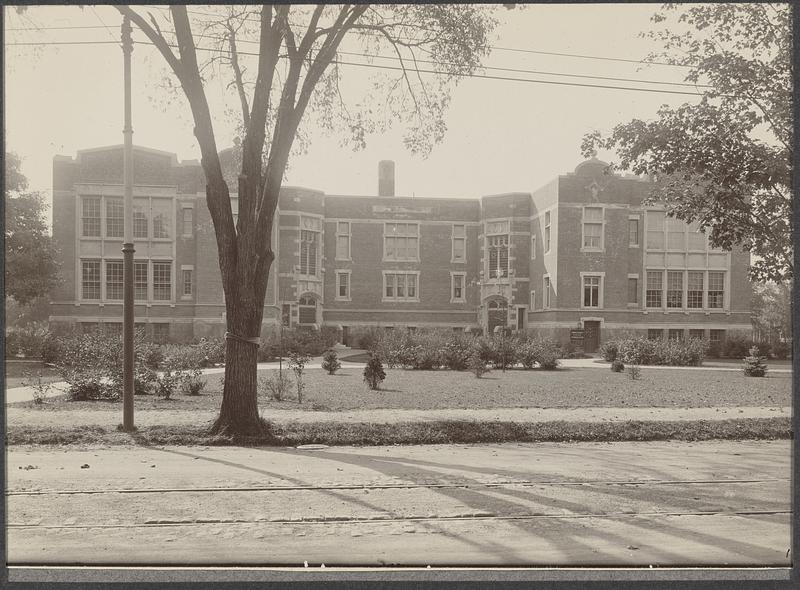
(386, 178)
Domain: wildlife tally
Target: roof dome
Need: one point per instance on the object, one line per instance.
(590, 167)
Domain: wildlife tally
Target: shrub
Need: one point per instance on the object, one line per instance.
(528, 353)
(276, 386)
(782, 350)
(571, 351)
(754, 365)
(634, 372)
(40, 388)
(477, 365)
(27, 341)
(368, 338)
(51, 349)
(211, 351)
(504, 351)
(193, 383)
(735, 347)
(609, 351)
(548, 359)
(297, 363)
(330, 362)
(641, 351)
(373, 372)
(617, 366)
(457, 351)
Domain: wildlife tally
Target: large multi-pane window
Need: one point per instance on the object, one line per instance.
(401, 241)
(697, 334)
(655, 334)
(91, 217)
(653, 296)
(591, 291)
(459, 243)
(343, 240)
(676, 234)
(546, 232)
(694, 290)
(716, 337)
(90, 279)
(162, 281)
(675, 288)
(633, 289)
(308, 252)
(655, 230)
(593, 228)
(675, 334)
(141, 209)
(696, 239)
(162, 217)
(716, 289)
(633, 231)
(140, 274)
(115, 218)
(457, 286)
(498, 256)
(113, 279)
(161, 333)
(400, 287)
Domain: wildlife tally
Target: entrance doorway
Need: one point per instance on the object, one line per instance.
(497, 314)
(591, 336)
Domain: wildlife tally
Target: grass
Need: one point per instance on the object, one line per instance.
(439, 432)
(17, 372)
(420, 390)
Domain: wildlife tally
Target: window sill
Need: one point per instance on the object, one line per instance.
(454, 261)
(633, 245)
(384, 300)
(595, 250)
(400, 260)
(186, 297)
(337, 259)
(342, 299)
(458, 301)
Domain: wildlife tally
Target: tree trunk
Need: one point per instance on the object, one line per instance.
(238, 415)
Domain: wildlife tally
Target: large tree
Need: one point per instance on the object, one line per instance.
(725, 160)
(296, 70)
(31, 267)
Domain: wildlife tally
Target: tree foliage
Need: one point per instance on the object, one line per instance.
(723, 162)
(31, 267)
(772, 311)
(297, 70)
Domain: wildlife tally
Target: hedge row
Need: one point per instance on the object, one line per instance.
(641, 351)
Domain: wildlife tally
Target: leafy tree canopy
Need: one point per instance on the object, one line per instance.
(725, 161)
(31, 268)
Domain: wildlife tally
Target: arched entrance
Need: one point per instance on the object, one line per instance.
(497, 314)
(307, 314)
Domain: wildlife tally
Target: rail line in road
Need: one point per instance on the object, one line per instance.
(397, 486)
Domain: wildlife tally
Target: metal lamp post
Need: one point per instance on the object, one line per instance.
(127, 246)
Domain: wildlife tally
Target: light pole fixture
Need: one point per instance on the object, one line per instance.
(127, 246)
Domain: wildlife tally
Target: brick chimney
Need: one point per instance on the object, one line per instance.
(386, 178)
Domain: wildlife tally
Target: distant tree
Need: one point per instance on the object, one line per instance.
(724, 162)
(294, 70)
(31, 267)
(772, 312)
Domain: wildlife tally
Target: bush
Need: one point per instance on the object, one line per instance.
(571, 351)
(276, 386)
(211, 351)
(609, 351)
(548, 359)
(27, 341)
(782, 350)
(641, 351)
(373, 372)
(754, 365)
(457, 351)
(634, 372)
(504, 351)
(297, 363)
(330, 362)
(617, 366)
(735, 347)
(477, 365)
(367, 338)
(51, 349)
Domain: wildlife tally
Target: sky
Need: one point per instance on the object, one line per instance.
(502, 135)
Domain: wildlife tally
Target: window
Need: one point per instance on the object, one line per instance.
(115, 218)
(162, 217)
(459, 243)
(546, 293)
(655, 334)
(655, 280)
(308, 310)
(161, 333)
(91, 217)
(140, 208)
(697, 334)
(140, 280)
(697, 239)
(533, 300)
(308, 252)
(675, 288)
(187, 222)
(716, 289)
(401, 241)
(676, 234)
(716, 336)
(533, 247)
(593, 228)
(113, 279)
(633, 290)
(675, 334)
(343, 285)
(546, 232)
(90, 279)
(162, 281)
(457, 287)
(591, 291)
(655, 230)
(633, 232)
(343, 240)
(498, 256)
(694, 292)
(400, 287)
(187, 282)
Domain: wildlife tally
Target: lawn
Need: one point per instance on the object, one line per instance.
(18, 372)
(420, 390)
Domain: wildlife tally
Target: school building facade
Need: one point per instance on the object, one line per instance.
(579, 253)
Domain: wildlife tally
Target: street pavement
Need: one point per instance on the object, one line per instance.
(580, 504)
